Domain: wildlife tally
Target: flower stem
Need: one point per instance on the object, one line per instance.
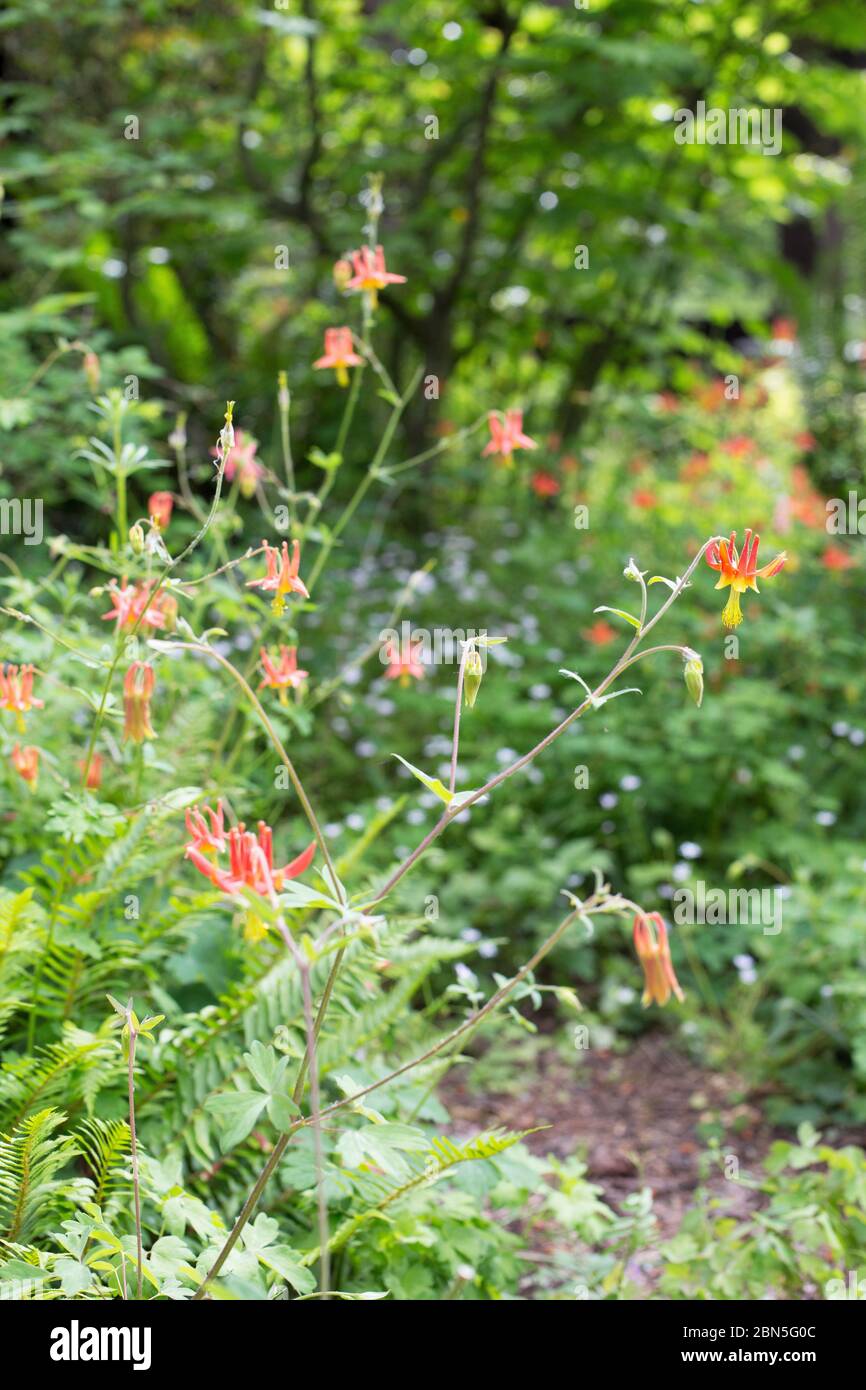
(134, 1147)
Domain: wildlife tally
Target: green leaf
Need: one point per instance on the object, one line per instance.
(620, 613)
(433, 784)
(382, 1146)
(74, 1276)
(236, 1112)
(265, 1066)
(285, 1261)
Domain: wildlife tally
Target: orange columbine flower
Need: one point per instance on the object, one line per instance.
(284, 675)
(93, 781)
(26, 763)
(506, 435)
(653, 952)
(282, 574)
(159, 506)
(131, 601)
(405, 662)
(339, 353)
(369, 273)
(251, 861)
(137, 689)
(739, 571)
(16, 692)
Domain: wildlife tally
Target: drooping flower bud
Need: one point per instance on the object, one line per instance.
(137, 690)
(632, 572)
(653, 951)
(693, 672)
(136, 538)
(473, 671)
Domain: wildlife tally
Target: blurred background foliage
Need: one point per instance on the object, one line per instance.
(508, 136)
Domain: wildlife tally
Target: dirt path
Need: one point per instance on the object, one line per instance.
(641, 1119)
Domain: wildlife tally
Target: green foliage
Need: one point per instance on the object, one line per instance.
(806, 1236)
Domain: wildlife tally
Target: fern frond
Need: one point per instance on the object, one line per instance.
(72, 1070)
(29, 1159)
(104, 1145)
(429, 1166)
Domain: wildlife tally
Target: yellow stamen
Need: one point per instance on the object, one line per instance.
(342, 374)
(732, 614)
(254, 928)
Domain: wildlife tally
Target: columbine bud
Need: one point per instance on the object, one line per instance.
(693, 671)
(137, 690)
(227, 433)
(91, 369)
(473, 670)
(93, 780)
(177, 438)
(283, 391)
(136, 538)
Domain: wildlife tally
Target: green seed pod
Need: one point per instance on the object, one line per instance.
(472, 673)
(136, 538)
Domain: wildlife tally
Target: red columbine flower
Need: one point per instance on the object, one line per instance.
(738, 446)
(600, 633)
(739, 571)
(369, 273)
(137, 689)
(835, 558)
(159, 506)
(131, 601)
(251, 862)
(284, 675)
(16, 692)
(405, 662)
(241, 459)
(506, 435)
(339, 353)
(653, 952)
(26, 763)
(206, 838)
(544, 484)
(282, 574)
